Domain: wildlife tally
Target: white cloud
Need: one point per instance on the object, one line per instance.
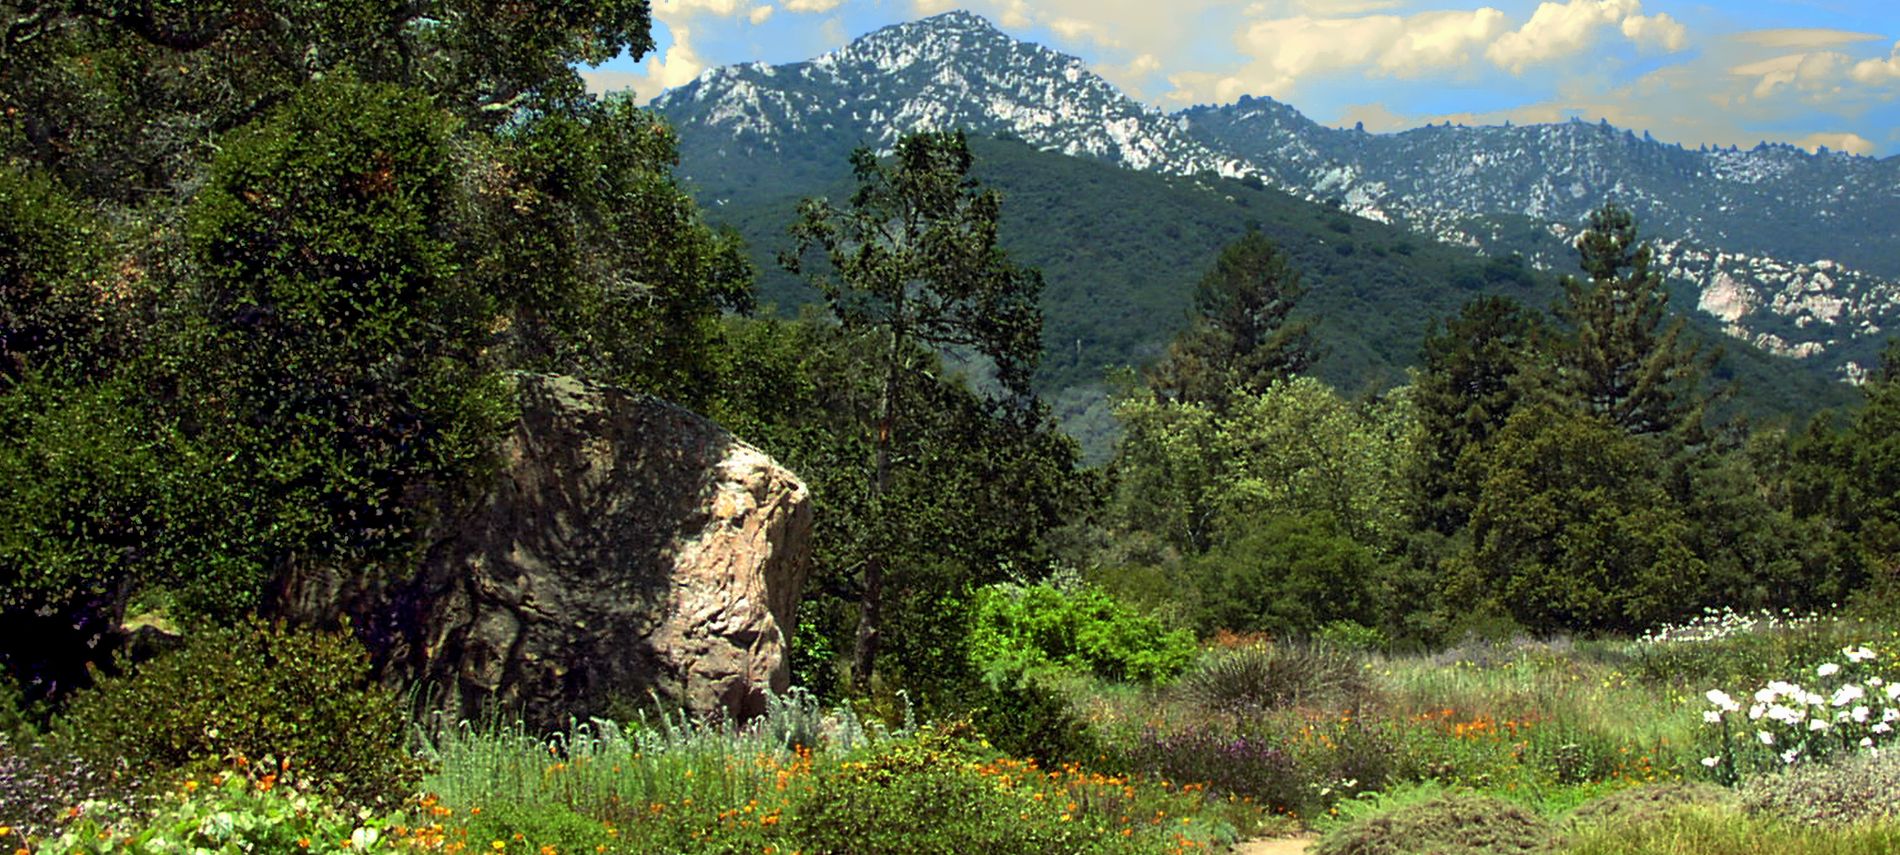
(932, 7)
(680, 64)
(815, 6)
(1818, 72)
(671, 10)
(1850, 143)
(760, 15)
(1875, 72)
(1285, 50)
(1659, 30)
(1558, 30)
(1803, 38)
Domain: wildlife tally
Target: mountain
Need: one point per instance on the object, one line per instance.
(954, 70)
(1795, 252)
(1123, 206)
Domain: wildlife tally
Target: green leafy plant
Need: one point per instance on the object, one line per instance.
(1085, 629)
(246, 694)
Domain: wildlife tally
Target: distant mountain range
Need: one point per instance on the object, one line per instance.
(1793, 252)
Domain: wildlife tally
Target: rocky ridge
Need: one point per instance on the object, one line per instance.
(1797, 253)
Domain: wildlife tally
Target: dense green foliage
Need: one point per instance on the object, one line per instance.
(913, 263)
(298, 703)
(1023, 628)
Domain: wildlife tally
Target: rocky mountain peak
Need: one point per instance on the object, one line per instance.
(1795, 252)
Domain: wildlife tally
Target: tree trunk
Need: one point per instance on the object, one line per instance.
(871, 605)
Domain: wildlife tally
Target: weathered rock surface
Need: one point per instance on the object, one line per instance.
(626, 546)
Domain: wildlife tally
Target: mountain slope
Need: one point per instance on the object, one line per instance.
(1795, 253)
(1122, 250)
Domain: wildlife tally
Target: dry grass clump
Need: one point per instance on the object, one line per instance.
(1646, 803)
(1262, 677)
(1452, 824)
(1857, 789)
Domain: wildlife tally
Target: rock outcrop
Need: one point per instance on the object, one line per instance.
(627, 546)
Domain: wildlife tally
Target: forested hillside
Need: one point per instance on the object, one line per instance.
(1121, 250)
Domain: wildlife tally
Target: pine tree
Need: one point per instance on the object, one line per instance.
(1622, 362)
(1242, 339)
(1472, 381)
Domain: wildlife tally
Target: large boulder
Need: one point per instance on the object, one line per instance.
(627, 547)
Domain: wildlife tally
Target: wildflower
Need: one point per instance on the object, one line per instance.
(1791, 754)
(1866, 742)
(1765, 737)
(1721, 699)
(1847, 694)
(1860, 714)
(1711, 762)
(1711, 716)
(1818, 724)
(1857, 654)
(1828, 669)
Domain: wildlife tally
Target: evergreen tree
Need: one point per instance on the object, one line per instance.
(1242, 339)
(1621, 361)
(1472, 380)
(914, 260)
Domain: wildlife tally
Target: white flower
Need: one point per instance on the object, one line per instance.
(1765, 737)
(1857, 654)
(1847, 694)
(1789, 755)
(1712, 717)
(1876, 682)
(1893, 692)
(1828, 669)
(1818, 724)
(1882, 727)
(1866, 742)
(1754, 712)
(1860, 714)
(1721, 699)
(1711, 762)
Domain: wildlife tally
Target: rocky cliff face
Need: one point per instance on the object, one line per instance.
(626, 546)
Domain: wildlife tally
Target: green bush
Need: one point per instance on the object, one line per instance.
(1028, 713)
(1290, 576)
(246, 694)
(1453, 824)
(1855, 789)
(1261, 677)
(1087, 630)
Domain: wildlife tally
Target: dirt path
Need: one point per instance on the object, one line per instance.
(1277, 846)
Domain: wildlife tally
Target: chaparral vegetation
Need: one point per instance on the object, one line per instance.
(266, 267)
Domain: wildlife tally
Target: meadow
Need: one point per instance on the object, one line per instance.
(1730, 734)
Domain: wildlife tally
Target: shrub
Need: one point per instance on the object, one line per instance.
(1453, 824)
(1029, 714)
(1261, 677)
(1085, 629)
(1228, 759)
(243, 694)
(1291, 575)
(1851, 790)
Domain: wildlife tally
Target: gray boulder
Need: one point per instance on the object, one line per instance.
(626, 547)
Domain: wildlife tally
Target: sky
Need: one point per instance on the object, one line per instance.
(1717, 72)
